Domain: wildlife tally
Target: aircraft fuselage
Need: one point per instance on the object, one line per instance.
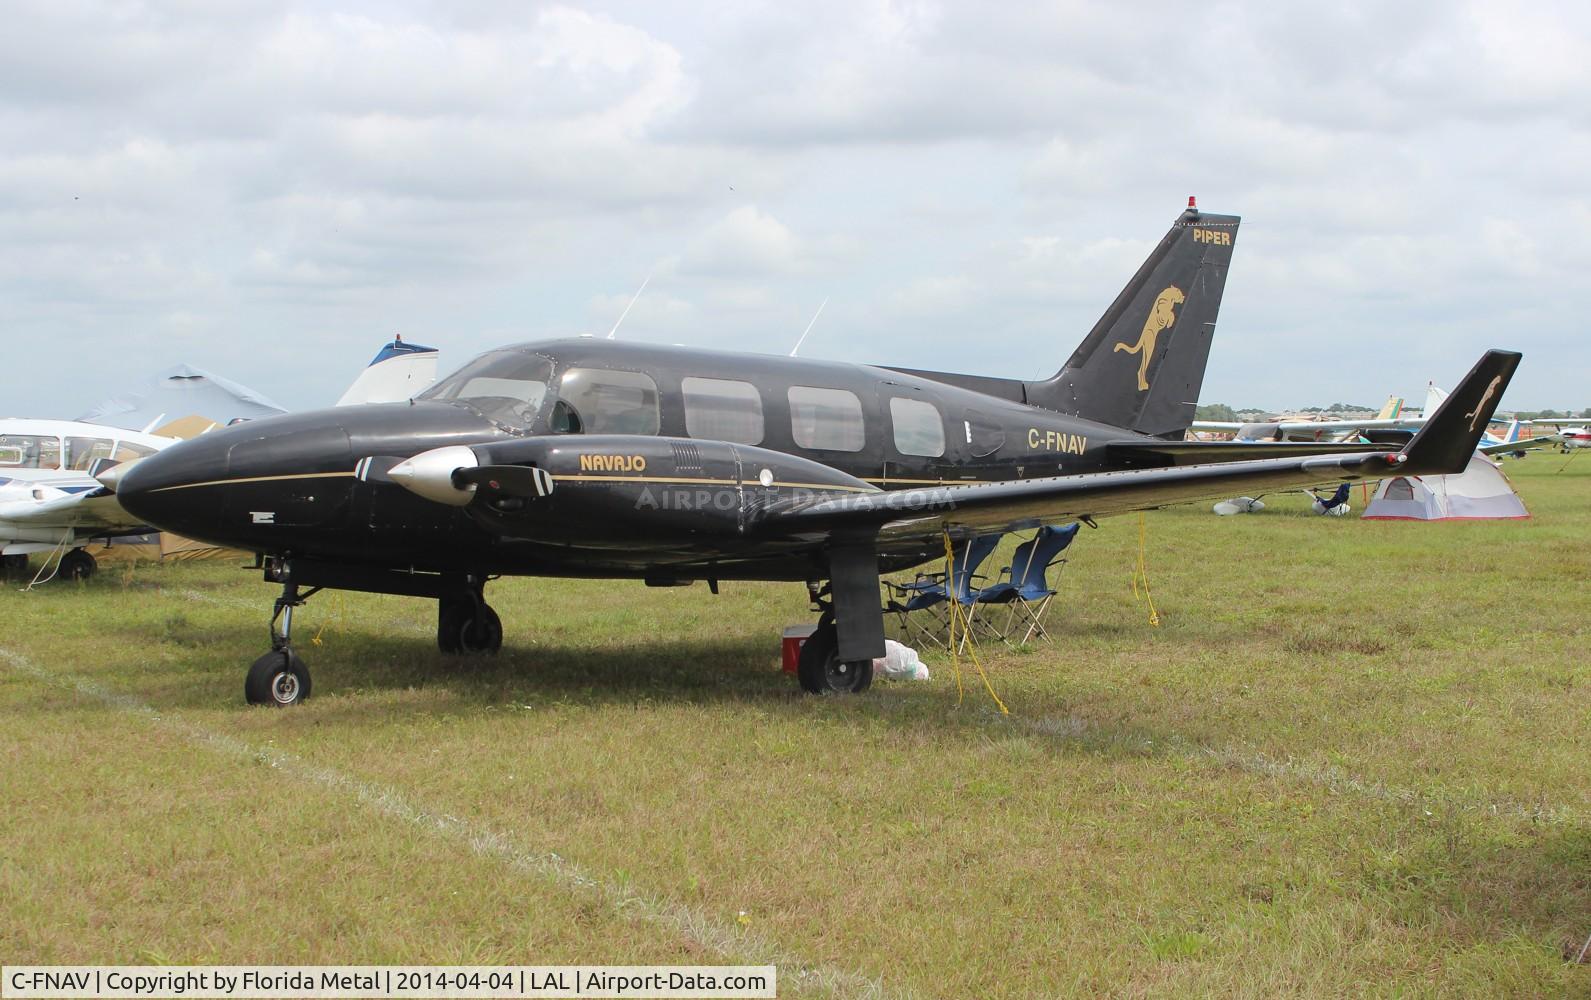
(657, 502)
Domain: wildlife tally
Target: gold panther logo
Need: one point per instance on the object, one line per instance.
(1161, 317)
(1474, 416)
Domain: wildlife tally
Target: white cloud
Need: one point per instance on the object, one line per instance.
(967, 184)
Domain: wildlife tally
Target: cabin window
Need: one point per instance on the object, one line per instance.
(984, 434)
(29, 451)
(126, 451)
(919, 429)
(722, 410)
(82, 452)
(505, 386)
(610, 402)
(825, 419)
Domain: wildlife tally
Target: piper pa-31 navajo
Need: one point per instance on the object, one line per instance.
(597, 458)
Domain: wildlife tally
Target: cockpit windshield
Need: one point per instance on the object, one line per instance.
(506, 386)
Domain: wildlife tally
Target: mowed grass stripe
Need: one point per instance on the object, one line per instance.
(731, 944)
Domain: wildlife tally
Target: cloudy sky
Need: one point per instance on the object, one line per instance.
(271, 190)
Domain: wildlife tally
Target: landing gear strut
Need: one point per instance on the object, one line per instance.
(77, 564)
(467, 624)
(279, 677)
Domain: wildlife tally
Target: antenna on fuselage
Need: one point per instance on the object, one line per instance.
(808, 330)
(627, 308)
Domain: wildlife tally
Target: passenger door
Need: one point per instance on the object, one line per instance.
(917, 446)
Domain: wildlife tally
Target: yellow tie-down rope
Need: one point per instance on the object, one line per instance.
(959, 615)
(1142, 570)
(336, 618)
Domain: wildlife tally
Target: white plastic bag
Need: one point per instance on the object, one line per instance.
(900, 663)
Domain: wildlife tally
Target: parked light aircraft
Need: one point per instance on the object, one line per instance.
(47, 486)
(1392, 415)
(45, 473)
(597, 458)
(1573, 432)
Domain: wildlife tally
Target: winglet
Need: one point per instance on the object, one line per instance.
(1444, 445)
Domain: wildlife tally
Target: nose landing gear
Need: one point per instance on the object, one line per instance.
(279, 677)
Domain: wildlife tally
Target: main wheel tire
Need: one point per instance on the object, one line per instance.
(821, 670)
(77, 565)
(463, 629)
(16, 565)
(278, 678)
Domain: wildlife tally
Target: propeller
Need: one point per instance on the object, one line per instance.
(452, 475)
(508, 480)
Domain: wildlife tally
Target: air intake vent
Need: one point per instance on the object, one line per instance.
(687, 458)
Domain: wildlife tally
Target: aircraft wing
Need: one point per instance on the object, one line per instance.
(1442, 446)
(1523, 444)
(96, 513)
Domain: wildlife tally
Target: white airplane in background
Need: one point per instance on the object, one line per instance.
(1573, 432)
(1392, 416)
(51, 501)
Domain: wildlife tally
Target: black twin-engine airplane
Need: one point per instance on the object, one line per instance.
(596, 458)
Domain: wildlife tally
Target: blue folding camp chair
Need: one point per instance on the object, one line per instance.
(928, 592)
(1026, 589)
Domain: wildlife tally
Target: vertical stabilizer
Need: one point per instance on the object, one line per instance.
(398, 372)
(1142, 365)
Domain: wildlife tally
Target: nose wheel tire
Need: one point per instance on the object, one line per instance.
(77, 565)
(821, 671)
(277, 678)
(468, 628)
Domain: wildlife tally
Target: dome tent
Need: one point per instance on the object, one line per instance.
(1480, 492)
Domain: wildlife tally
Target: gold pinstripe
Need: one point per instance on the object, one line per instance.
(259, 479)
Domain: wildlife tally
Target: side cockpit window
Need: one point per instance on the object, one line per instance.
(508, 387)
(29, 451)
(83, 452)
(604, 401)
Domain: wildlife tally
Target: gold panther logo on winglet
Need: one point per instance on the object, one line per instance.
(1474, 416)
(1161, 317)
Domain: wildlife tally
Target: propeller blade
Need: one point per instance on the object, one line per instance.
(508, 480)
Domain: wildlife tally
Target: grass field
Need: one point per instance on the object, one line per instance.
(1351, 760)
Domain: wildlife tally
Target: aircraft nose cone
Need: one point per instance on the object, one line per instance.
(157, 490)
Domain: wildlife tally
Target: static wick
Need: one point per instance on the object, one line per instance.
(808, 330)
(627, 308)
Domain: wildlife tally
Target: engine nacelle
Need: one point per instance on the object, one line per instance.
(631, 487)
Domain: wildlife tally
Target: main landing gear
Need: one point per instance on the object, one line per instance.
(820, 669)
(77, 564)
(468, 625)
(838, 657)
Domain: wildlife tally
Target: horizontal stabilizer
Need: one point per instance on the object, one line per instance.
(1450, 435)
